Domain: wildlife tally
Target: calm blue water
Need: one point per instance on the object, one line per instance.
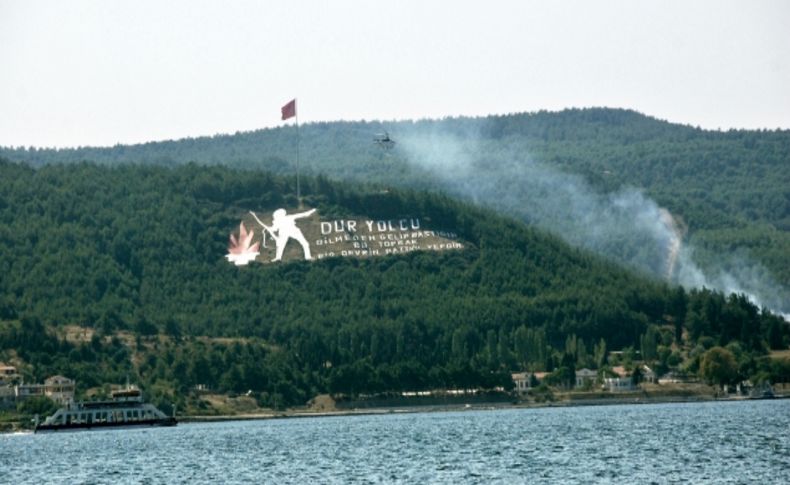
(730, 442)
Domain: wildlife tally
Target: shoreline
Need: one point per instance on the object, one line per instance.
(569, 401)
(481, 406)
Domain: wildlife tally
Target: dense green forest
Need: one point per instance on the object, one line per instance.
(568, 172)
(133, 256)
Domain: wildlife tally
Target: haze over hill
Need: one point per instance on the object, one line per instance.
(702, 208)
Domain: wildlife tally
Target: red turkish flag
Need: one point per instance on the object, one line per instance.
(289, 110)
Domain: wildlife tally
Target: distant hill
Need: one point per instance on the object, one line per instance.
(130, 261)
(595, 177)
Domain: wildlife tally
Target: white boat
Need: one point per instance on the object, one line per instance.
(125, 409)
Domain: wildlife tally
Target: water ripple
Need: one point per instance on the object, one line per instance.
(743, 442)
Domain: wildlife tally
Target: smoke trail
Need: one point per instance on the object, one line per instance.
(673, 248)
(625, 226)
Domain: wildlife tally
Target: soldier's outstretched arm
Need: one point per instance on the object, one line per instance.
(304, 214)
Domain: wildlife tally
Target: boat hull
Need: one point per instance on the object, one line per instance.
(52, 428)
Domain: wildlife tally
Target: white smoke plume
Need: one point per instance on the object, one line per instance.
(673, 248)
(625, 226)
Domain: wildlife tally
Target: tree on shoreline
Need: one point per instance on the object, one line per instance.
(719, 367)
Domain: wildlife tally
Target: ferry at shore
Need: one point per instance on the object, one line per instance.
(126, 409)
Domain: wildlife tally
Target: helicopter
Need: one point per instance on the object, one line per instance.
(384, 141)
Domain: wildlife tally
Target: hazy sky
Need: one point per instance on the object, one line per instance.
(104, 72)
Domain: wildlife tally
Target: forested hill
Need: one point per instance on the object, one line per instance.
(106, 247)
(130, 261)
(568, 172)
(611, 147)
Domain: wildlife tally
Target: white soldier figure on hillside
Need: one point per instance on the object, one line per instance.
(284, 228)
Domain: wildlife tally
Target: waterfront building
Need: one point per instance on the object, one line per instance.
(521, 381)
(618, 384)
(585, 377)
(58, 388)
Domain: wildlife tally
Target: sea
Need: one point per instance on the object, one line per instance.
(713, 442)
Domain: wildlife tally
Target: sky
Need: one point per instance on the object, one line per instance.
(97, 73)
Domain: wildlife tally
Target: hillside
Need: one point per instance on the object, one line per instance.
(597, 178)
(130, 261)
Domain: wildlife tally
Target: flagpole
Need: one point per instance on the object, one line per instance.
(298, 192)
